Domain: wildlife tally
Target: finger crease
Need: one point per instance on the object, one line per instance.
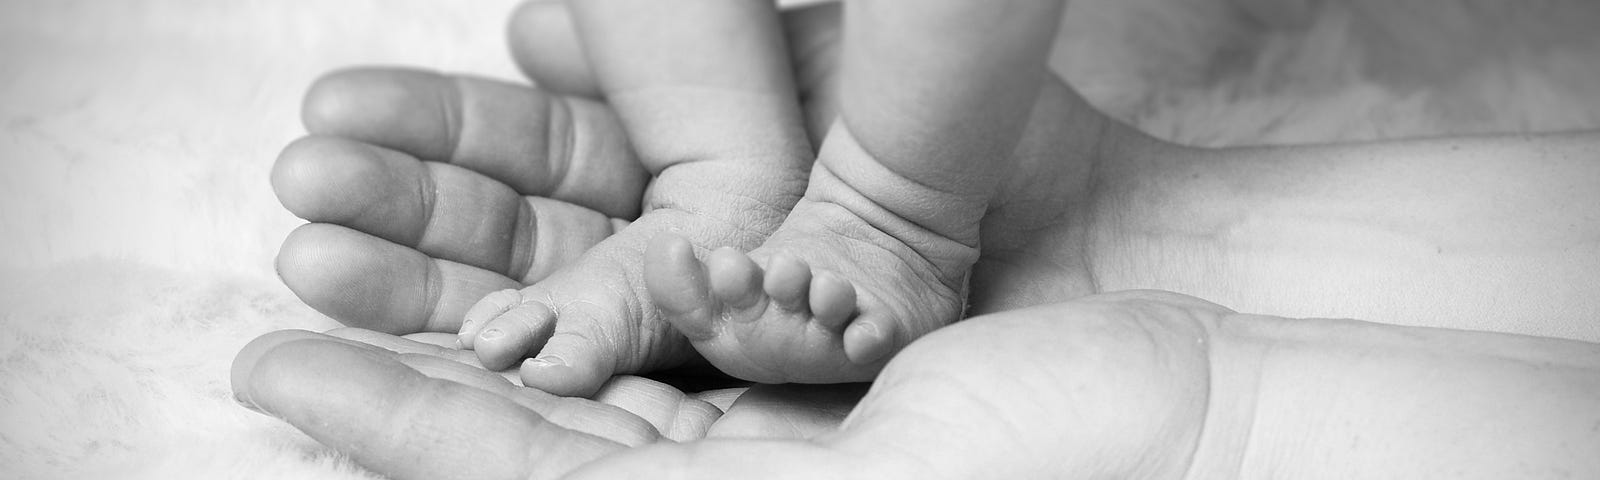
(451, 101)
(560, 139)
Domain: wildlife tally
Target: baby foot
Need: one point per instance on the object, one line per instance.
(728, 156)
(892, 213)
(844, 282)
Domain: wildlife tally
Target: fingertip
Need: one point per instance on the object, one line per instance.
(332, 179)
(298, 177)
(301, 376)
(545, 46)
(348, 398)
(245, 362)
(357, 279)
(395, 107)
(327, 104)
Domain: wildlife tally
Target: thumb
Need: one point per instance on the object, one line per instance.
(393, 419)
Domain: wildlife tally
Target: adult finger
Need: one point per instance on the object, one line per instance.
(442, 210)
(677, 416)
(537, 143)
(399, 422)
(612, 422)
(1107, 407)
(544, 44)
(788, 411)
(368, 282)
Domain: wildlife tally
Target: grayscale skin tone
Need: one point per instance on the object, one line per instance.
(878, 251)
(1138, 213)
(878, 246)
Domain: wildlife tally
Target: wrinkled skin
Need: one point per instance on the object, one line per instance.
(1136, 384)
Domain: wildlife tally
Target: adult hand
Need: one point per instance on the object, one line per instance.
(412, 414)
(426, 192)
(1134, 384)
(409, 259)
(379, 114)
(1036, 260)
(387, 255)
(390, 256)
(372, 127)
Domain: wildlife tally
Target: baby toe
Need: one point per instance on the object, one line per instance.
(513, 335)
(570, 365)
(869, 340)
(833, 299)
(735, 280)
(487, 308)
(788, 281)
(677, 285)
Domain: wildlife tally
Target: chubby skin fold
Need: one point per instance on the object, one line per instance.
(890, 222)
(878, 251)
(728, 157)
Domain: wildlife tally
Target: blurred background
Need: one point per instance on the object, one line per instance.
(137, 226)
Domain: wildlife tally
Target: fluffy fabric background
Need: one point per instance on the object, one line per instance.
(137, 228)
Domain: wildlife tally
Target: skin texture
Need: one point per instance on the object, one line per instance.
(1134, 384)
(1123, 191)
(729, 160)
(878, 251)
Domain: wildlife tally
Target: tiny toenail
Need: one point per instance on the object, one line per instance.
(492, 333)
(546, 362)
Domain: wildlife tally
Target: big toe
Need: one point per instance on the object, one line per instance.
(571, 365)
(512, 335)
(364, 281)
(870, 340)
(677, 284)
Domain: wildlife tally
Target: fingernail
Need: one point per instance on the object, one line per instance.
(546, 361)
(491, 334)
(465, 326)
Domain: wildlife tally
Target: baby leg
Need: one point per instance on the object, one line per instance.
(710, 107)
(878, 251)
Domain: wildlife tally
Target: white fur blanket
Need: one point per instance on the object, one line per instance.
(137, 228)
